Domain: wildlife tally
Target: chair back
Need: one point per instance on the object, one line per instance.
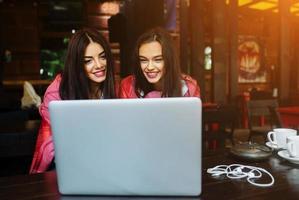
(224, 115)
(276, 119)
(219, 122)
(263, 108)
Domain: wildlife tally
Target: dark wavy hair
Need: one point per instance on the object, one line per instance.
(75, 84)
(171, 80)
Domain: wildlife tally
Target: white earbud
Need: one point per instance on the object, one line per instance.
(237, 171)
(251, 175)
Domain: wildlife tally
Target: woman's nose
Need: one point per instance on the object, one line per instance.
(98, 63)
(151, 65)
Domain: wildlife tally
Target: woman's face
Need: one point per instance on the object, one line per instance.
(151, 61)
(95, 62)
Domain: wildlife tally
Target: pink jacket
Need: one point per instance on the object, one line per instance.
(44, 148)
(127, 90)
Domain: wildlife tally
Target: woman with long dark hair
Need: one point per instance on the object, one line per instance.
(156, 70)
(88, 74)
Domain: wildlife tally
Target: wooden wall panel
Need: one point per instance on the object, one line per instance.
(99, 22)
(20, 35)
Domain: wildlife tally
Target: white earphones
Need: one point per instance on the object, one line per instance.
(236, 171)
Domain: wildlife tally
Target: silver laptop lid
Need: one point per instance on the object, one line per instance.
(128, 146)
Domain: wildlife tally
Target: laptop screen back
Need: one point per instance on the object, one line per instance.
(128, 146)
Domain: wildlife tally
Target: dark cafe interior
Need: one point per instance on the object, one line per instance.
(244, 55)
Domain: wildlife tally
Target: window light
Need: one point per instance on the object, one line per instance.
(263, 5)
(244, 2)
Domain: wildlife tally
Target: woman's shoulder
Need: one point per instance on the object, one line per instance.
(52, 93)
(189, 79)
(193, 88)
(127, 87)
(128, 82)
(54, 86)
(128, 79)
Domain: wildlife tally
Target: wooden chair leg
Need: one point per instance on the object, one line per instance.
(232, 139)
(250, 136)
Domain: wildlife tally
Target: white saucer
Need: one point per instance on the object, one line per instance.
(272, 146)
(284, 154)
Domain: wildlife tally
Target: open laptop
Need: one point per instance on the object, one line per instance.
(128, 146)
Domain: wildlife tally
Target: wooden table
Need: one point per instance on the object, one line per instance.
(44, 186)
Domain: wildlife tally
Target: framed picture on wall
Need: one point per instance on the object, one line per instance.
(250, 60)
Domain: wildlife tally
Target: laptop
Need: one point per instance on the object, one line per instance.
(128, 146)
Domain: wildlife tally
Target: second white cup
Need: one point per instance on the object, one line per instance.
(278, 137)
(293, 146)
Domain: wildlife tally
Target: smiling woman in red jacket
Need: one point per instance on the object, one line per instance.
(88, 74)
(157, 72)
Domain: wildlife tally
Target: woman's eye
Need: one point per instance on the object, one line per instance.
(159, 60)
(142, 61)
(87, 61)
(103, 57)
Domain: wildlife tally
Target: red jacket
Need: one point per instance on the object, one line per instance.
(44, 148)
(127, 89)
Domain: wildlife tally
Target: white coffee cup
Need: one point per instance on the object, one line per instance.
(278, 137)
(293, 146)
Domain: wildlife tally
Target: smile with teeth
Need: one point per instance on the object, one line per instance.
(99, 73)
(152, 74)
